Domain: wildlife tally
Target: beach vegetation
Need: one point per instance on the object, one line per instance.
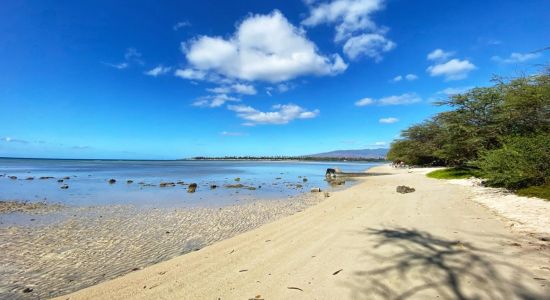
(500, 132)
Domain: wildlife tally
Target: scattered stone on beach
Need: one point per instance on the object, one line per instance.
(403, 189)
(30, 178)
(192, 188)
(112, 181)
(213, 186)
(46, 177)
(166, 184)
(316, 190)
(334, 182)
(238, 179)
(13, 177)
(27, 290)
(129, 181)
(64, 187)
(327, 194)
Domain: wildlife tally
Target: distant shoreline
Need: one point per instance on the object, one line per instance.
(320, 159)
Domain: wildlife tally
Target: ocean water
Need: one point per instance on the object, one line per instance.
(88, 183)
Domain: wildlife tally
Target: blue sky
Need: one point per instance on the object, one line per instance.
(106, 79)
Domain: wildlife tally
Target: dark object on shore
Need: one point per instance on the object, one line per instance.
(403, 189)
(129, 181)
(165, 184)
(192, 188)
(327, 194)
(295, 288)
(337, 272)
(13, 177)
(316, 190)
(213, 186)
(64, 187)
(46, 177)
(237, 179)
(27, 290)
(30, 178)
(111, 181)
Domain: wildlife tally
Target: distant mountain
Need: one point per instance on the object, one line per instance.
(360, 153)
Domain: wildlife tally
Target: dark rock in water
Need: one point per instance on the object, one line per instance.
(237, 179)
(278, 178)
(60, 180)
(111, 181)
(30, 178)
(316, 190)
(27, 290)
(213, 186)
(234, 186)
(304, 180)
(13, 177)
(64, 187)
(66, 177)
(180, 182)
(403, 189)
(192, 188)
(46, 177)
(251, 188)
(129, 181)
(165, 184)
(299, 186)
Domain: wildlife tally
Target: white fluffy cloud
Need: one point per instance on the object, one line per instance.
(439, 55)
(372, 45)
(407, 98)
(354, 25)
(389, 120)
(409, 77)
(280, 114)
(215, 100)
(516, 58)
(264, 47)
(238, 88)
(158, 70)
(454, 69)
(364, 102)
(190, 74)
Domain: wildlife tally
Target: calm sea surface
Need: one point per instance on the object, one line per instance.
(88, 183)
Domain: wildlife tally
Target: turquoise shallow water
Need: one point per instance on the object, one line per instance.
(88, 183)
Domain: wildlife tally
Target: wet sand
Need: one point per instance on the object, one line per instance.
(95, 244)
(366, 242)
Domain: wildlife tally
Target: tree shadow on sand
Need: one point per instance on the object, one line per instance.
(416, 264)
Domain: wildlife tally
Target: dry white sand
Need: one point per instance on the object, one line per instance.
(366, 242)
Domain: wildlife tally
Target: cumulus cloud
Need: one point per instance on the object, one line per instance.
(407, 98)
(354, 26)
(264, 47)
(454, 69)
(180, 25)
(158, 70)
(408, 77)
(372, 45)
(364, 102)
(190, 74)
(214, 100)
(439, 55)
(280, 114)
(516, 57)
(238, 88)
(389, 120)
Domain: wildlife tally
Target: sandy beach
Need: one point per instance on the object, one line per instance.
(366, 242)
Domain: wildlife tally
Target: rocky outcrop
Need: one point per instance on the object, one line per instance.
(192, 188)
(403, 189)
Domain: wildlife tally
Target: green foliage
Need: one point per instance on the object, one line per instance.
(454, 173)
(522, 161)
(503, 129)
(541, 191)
